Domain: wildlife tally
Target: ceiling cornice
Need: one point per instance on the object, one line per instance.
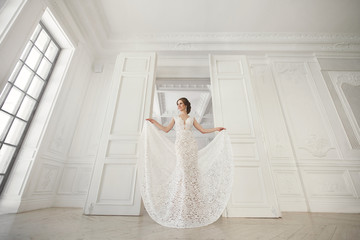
(241, 42)
(189, 84)
(240, 37)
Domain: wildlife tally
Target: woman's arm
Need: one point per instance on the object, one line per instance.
(161, 127)
(210, 130)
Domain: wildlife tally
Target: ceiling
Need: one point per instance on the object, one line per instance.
(116, 24)
(159, 16)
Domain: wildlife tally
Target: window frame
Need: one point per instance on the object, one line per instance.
(10, 84)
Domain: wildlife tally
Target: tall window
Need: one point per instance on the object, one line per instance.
(22, 94)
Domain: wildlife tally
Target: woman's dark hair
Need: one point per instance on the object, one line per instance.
(187, 104)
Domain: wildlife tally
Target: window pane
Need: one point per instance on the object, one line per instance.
(6, 153)
(4, 124)
(13, 100)
(42, 41)
(24, 78)
(34, 58)
(51, 51)
(16, 130)
(35, 87)
(26, 108)
(26, 51)
(36, 33)
(44, 68)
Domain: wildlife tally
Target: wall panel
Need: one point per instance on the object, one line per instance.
(235, 108)
(113, 188)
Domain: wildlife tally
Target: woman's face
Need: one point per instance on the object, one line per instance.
(181, 106)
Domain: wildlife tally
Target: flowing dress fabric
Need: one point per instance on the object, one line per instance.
(182, 187)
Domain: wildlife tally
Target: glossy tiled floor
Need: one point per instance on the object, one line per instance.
(68, 223)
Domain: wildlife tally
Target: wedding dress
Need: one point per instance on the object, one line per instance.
(182, 187)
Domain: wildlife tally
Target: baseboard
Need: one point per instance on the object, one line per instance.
(35, 204)
(16, 206)
(9, 205)
(293, 206)
(335, 207)
(70, 201)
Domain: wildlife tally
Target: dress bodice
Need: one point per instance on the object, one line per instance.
(181, 125)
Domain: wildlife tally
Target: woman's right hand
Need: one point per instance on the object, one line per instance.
(150, 120)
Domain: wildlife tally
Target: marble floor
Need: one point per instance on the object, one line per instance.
(70, 223)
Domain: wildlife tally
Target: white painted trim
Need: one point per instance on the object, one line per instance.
(8, 15)
(213, 37)
(70, 201)
(292, 206)
(10, 205)
(335, 207)
(34, 204)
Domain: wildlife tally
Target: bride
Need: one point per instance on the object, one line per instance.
(182, 187)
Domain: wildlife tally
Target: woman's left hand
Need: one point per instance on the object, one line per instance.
(220, 129)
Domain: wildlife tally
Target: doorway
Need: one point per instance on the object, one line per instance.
(184, 76)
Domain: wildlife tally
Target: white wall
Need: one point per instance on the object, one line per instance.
(312, 147)
(35, 178)
(314, 166)
(76, 176)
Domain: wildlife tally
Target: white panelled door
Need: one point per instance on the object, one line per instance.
(113, 189)
(234, 107)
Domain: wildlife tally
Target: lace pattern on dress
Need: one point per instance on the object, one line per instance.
(182, 187)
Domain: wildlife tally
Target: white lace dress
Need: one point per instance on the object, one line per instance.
(182, 187)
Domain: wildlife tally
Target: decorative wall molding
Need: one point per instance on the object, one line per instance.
(341, 46)
(327, 183)
(292, 71)
(288, 183)
(182, 46)
(317, 145)
(270, 111)
(352, 78)
(182, 85)
(259, 70)
(308, 126)
(47, 179)
(75, 180)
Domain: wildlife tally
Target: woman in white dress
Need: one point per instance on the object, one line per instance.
(182, 187)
